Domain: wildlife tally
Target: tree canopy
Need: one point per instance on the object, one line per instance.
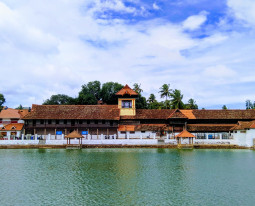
(59, 99)
(2, 101)
(94, 91)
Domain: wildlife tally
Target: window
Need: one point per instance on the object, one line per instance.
(111, 123)
(49, 121)
(142, 131)
(65, 121)
(243, 131)
(122, 132)
(57, 121)
(72, 122)
(34, 122)
(80, 121)
(96, 121)
(127, 104)
(88, 122)
(41, 121)
(103, 121)
(132, 132)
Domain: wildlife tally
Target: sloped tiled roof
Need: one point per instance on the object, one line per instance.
(126, 90)
(185, 134)
(144, 127)
(23, 112)
(74, 134)
(224, 114)
(9, 114)
(150, 114)
(188, 113)
(107, 112)
(123, 128)
(12, 127)
(209, 127)
(242, 125)
(177, 114)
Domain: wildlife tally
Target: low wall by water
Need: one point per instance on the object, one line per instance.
(118, 142)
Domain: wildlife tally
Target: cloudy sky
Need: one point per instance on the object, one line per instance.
(204, 48)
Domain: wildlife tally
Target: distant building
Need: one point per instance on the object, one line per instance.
(11, 123)
(125, 121)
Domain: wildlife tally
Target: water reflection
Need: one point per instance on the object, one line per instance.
(127, 177)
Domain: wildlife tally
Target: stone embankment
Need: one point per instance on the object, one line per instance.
(203, 146)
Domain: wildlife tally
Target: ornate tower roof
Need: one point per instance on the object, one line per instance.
(126, 90)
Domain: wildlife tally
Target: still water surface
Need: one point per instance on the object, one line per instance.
(127, 177)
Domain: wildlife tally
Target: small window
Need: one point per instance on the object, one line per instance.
(57, 121)
(49, 121)
(142, 131)
(243, 131)
(65, 121)
(88, 122)
(13, 127)
(122, 132)
(96, 121)
(126, 103)
(34, 122)
(41, 121)
(103, 121)
(132, 132)
(80, 121)
(72, 122)
(111, 123)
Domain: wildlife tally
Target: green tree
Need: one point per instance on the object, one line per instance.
(165, 91)
(151, 98)
(141, 102)
(137, 88)
(59, 99)
(90, 93)
(249, 104)
(20, 107)
(2, 101)
(191, 104)
(224, 107)
(108, 91)
(176, 100)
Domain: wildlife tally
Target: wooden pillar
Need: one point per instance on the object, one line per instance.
(192, 140)
(24, 131)
(81, 141)
(65, 131)
(77, 129)
(45, 131)
(107, 132)
(97, 133)
(66, 140)
(34, 131)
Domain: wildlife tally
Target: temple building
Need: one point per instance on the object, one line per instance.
(125, 121)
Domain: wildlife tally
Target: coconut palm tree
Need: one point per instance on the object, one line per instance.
(165, 91)
(151, 98)
(137, 88)
(176, 100)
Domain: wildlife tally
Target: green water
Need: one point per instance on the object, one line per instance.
(127, 177)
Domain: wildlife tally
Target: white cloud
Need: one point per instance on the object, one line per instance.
(54, 47)
(155, 6)
(195, 21)
(243, 9)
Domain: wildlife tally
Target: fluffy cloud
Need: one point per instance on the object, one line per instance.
(195, 21)
(243, 9)
(54, 47)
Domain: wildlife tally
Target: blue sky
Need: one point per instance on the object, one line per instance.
(204, 48)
